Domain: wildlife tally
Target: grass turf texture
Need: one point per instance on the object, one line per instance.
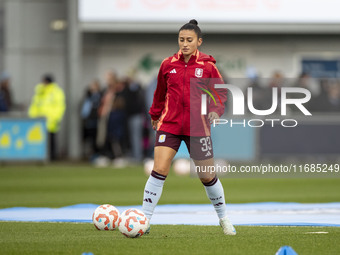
(61, 185)
(66, 238)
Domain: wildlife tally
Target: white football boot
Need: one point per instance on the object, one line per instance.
(228, 228)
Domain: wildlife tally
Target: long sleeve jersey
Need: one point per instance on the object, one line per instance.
(178, 96)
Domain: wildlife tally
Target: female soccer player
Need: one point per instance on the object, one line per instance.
(171, 115)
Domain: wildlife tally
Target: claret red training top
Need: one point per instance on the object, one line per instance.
(177, 101)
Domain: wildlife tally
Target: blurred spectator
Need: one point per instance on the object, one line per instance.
(49, 102)
(150, 141)
(334, 96)
(89, 116)
(308, 82)
(262, 97)
(277, 81)
(103, 114)
(5, 93)
(111, 122)
(329, 98)
(135, 108)
(116, 129)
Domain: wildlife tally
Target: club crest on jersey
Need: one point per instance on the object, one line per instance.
(199, 72)
(161, 138)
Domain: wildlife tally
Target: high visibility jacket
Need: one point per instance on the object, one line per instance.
(49, 102)
(178, 96)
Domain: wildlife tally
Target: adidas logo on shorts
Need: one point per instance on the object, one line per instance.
(208, 154)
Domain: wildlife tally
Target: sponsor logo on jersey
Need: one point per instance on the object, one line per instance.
(173, 71)
(161, 138)
(199, 72)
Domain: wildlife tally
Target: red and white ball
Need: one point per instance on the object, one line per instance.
(182, 166)
(133, 223)
(106, 217)
(148, 166)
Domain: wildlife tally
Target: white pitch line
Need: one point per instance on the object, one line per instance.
(320, 232)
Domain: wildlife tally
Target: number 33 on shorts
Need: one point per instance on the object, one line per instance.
(206, 145)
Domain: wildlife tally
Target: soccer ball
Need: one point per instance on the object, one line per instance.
(182, 166)
(148, 166)
(221, 166)
(133, 223)
(106, 217)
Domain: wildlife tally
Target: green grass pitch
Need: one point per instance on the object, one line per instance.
(65, 184)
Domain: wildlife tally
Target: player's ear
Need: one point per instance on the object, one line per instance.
(200, 41)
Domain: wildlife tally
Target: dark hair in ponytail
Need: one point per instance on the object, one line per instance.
(192, 25)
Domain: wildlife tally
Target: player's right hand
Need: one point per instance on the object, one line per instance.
(154, 124)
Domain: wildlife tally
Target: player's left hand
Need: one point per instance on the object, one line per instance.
(212, 116)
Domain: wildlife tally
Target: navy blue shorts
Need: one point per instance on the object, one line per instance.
(199, 147)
